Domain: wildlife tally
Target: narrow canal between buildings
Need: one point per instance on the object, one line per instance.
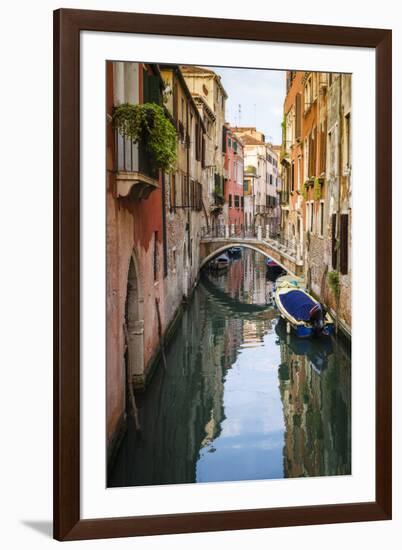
(240, 399)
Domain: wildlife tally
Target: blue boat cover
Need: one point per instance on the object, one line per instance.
(297, 304)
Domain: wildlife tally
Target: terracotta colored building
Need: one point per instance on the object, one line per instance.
(153, 229)
(316, 195)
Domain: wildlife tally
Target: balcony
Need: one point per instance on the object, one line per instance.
(136, 175)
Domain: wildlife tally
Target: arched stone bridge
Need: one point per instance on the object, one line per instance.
(282, 252)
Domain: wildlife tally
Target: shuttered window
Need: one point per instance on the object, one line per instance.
(312, 151)
(172, 191)
(292, 188)
(197, 141)
(298, 116)
(175, 103)
(344, 243)
(151, 88)
(224, 132)
(323, 147)
(185, 191)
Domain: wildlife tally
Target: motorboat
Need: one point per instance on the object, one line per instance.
(235, 251)
(220, 262)
(290, 281)
(304, 313)
(273, 268)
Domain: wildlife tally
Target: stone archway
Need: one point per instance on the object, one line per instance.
(134, 327)
(219, 250)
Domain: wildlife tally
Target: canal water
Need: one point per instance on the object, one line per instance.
(240, 399)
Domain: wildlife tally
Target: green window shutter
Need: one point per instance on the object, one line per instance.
(344, 243)
(152, 88)
(224, 132)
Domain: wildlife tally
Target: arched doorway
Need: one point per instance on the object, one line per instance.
(134, 328)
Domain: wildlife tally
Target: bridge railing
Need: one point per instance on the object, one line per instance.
(275, 238)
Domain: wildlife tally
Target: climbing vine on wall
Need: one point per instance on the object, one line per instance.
(333, 281)
(317, 189)
(147, 123)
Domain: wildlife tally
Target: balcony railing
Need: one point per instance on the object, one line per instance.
(270, 234)
(136, 174)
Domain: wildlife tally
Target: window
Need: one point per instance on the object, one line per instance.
(242, 201)
(298, 173)
(230, 201)
(175, 102)
(307, 95)
(344, 244)
(310, 216)
(306, 155)
(185, 191)
(155, 256)
(298, 116)
(197, 142)
(172, 191)
(323, 147)
(292, 180)
(192, 194)
(347, 140)
(312, 154)
(321, 219)
(237, 201)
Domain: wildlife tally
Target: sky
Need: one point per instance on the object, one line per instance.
(260, 93)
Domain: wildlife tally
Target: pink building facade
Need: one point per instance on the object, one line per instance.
(233, 171)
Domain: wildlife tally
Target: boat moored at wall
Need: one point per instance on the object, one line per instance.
(304, 313)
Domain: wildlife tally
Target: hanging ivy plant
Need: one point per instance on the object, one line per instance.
(317, 189)
(333, 281)
(147, 123)
(304, 192)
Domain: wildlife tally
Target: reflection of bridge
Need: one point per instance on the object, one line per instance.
(237, 309)
(285, 253)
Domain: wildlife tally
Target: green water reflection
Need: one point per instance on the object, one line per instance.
(241, 399)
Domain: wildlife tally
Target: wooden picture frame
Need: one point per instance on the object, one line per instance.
(67, 26)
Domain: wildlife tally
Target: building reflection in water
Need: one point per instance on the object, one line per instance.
(240, 399)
